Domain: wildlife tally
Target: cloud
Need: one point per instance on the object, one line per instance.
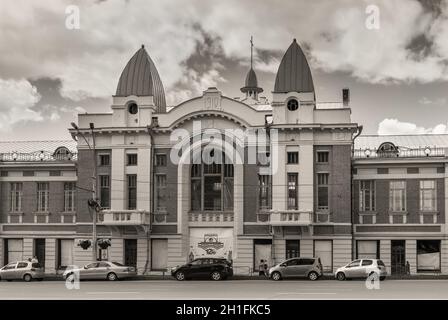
(427, 101)
(35, 43)
(17, 97)
(394, 126)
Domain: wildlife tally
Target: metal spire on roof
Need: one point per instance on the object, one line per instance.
(251, 49)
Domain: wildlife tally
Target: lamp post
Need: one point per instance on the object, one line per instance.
(93, 203)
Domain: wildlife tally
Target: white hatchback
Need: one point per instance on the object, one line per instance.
(362, 268)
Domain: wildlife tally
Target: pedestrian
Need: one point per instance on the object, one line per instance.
(261, 268)
(34, 260)
(266, 268)
(408, 267)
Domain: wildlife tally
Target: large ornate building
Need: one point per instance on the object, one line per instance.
(241, 178)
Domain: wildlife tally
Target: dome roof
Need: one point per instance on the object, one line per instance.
(140, 78)
(294, 73)
(251, 83)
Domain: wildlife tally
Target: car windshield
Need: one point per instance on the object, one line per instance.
(118, 264)
(381, 263)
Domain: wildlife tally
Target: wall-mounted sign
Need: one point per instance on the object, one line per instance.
(211, 242)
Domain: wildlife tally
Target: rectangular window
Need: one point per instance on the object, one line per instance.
(366, 195)
(42, 196)
(65, 252)
(196, 194)
(132, 159)
(132, 191)
(428, 195)
(367, 249)
(104, 160)
(323, 249)
(397, 196)
(292, 249)
(322, 156)
(16, 197)
(212, 193)
(322, 191)
(428, 255)
(293, 157)
(292, 191)
(161, 160)
(69, 196)
(105, 192)
(160, 204)
(264, 192)
(228, 187)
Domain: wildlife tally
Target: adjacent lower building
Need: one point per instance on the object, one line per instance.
(243, 178)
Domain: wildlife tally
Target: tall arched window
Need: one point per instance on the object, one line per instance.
(212, 187)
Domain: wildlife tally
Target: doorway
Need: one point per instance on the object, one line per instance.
(130, 252)
(39, 251)
(398, 256)
(262, 251)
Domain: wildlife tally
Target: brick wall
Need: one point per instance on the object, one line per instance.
(340, 198)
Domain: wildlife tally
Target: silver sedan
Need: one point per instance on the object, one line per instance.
(101, 270)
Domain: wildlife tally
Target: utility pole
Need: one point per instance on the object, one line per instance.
(93, 202)
(96, 206)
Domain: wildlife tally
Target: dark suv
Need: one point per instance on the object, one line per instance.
(212, 268)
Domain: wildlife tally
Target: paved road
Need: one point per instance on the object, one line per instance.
(236, 289)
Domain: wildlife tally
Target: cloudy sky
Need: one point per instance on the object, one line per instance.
(397, 73)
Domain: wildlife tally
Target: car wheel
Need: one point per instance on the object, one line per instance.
(180, 276)
(276, 276)
(340, 276)
(112, 276)
(27, 277)
(313, 276)
(382, 278)
(216, 275)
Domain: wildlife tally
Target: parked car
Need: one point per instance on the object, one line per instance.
(101, 270)
(22, 270)
(310, 268)
(362, 268)
(212, 268)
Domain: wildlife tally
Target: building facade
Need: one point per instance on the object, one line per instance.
(242, 178)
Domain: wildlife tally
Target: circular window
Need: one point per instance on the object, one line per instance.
(133, 108)
(293, 105)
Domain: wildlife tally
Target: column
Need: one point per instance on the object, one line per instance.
(50, 255)
(143, 256)
(116, 252)
(385, 254)
(244, 260)
(279, 250)
(306, 248)
(28, 248)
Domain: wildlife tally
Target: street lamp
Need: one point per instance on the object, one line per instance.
(93, 203)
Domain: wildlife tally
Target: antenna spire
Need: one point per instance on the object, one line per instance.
(251, 49)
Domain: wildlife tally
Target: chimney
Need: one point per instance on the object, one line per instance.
(345, 97)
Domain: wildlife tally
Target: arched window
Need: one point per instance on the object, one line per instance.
(387, 149)
(212, 187)
(62, 153)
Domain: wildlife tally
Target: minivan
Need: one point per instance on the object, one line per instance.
(310, 268)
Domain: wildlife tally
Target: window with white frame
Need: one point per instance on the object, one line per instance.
(428, 195)
(293, 179)
(160, 198)
(397, 196)
(322, 191)
(69, 197)
(16, 197)
(105, 191)
(264, 192)
(366, 195)
(42, 196)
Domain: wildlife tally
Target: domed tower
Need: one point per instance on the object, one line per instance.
(293, 95)
(140, 91)
(251, 88)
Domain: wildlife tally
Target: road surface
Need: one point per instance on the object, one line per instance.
(231, 289)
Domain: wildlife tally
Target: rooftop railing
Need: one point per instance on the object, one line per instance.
(421, 152)
(38, 156)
